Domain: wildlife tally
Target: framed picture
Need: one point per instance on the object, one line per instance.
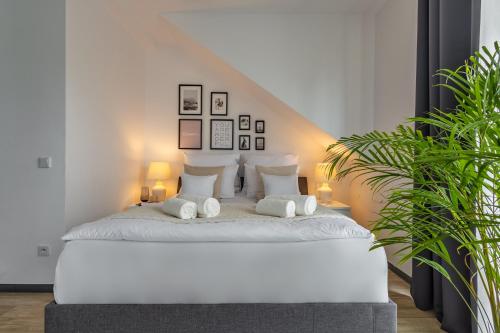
(190, 134)
(244, 142)
(218, 103)
(260, 126)
(244, 122)
(260, 143)
(190, 99)
(221, 134)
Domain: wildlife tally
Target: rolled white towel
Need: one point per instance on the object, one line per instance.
(304, 204)
(207, 206)
(276, 207)
(180, 208)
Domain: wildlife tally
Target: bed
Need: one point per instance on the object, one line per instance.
(139, 271)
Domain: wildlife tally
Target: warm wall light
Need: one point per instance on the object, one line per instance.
(158, 172)
(324, 191)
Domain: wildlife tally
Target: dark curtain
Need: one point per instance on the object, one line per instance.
(448, 33)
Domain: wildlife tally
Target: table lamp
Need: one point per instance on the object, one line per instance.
(158, 172)
(324, 191)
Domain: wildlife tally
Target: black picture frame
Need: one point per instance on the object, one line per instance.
(199, 104)
(179, 138)
(260, 126)
(248, 142)
(213, 145)
(213, 95)
(242, 118)
(257, 144)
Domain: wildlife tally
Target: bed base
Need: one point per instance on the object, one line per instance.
(222, 318)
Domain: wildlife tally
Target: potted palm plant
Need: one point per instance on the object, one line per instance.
(444, 187)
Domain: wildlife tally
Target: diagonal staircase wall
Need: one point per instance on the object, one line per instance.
(179, 59)
(317, 64)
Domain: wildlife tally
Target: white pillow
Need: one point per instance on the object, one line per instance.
(270, 159)
(217, 159)
(280, 185)
(265, 160)
(228, 181)
(211, 159)
(251, 184)
(198, 185)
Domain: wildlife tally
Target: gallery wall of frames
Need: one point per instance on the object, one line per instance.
(222, 122)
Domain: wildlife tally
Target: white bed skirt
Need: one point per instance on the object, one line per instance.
(128, 272)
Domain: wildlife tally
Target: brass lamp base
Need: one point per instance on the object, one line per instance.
(158, 194)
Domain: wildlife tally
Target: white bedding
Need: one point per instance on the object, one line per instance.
(139, 257)
(237, 222)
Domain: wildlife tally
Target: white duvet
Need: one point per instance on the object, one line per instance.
(143, 256)
(237, 222)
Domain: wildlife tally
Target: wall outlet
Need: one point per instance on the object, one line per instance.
(43, 250)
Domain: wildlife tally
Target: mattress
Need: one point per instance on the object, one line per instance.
(98, 270)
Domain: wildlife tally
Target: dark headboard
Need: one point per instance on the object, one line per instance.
(302, 184)
(303, 189)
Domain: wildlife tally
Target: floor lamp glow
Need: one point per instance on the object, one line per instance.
(158, 172)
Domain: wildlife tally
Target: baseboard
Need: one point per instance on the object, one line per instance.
(27, 288)
(399, 273)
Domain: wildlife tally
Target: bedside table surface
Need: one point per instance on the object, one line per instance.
(142, 204)
(337, 205)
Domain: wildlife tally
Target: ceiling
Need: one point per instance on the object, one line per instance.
(290, 6)
(141, 18)
(258, 6)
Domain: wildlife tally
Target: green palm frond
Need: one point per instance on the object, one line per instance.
(444, 187)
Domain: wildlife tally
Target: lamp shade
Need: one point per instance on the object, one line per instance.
(322, 172)
(158, 171)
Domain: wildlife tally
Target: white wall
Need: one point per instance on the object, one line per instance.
(311, 62)
(490, 27)
(105, 113)
(395, 75)
(183, 61)
(32, 51)
(489, 33)
(395, 63)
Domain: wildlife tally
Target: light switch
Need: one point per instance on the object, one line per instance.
(45, 162)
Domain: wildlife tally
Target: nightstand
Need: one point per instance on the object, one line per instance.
(340, 207)
(142, 204)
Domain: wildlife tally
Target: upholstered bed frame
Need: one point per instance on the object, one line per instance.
(223, 318)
